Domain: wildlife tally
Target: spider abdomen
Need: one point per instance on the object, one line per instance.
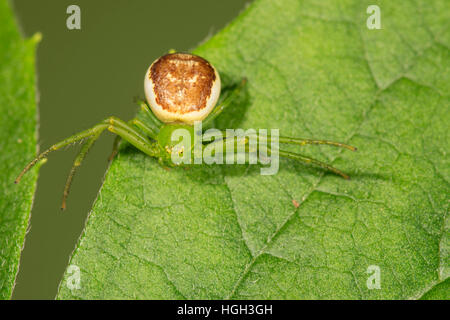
(181, 87)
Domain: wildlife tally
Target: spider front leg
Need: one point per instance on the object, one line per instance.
(150, 128)
(78, 160)
(303, 142)
(307, 160)
(149, 131)
(71, 140)
(147, 114)
(112, 124)
(115, 148)
(255, 147)
(124, 131)
(299, 141)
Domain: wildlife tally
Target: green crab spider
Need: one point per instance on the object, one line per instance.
(180, 89)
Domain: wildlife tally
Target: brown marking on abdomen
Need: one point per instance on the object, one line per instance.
(182, 82)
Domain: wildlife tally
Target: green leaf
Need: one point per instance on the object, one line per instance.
(17, 143)
(438, 292)
(316, 71)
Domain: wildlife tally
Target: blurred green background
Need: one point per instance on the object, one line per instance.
(85, 76)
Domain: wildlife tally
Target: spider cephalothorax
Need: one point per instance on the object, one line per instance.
(181, 90)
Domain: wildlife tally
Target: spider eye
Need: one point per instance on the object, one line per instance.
(181, 87)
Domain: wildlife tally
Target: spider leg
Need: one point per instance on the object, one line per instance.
(113, 124)
(241, 149)
(299, 141)
(133, 136)
(148, 114)
(225, 103)
(123, 131)
(115, 149)
(71, 140)
(145, 128)
(307, 160)
(233, 142)
(78, 160)
(303, 142)
(141, 126)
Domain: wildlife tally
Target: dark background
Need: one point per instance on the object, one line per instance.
(85, 76)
